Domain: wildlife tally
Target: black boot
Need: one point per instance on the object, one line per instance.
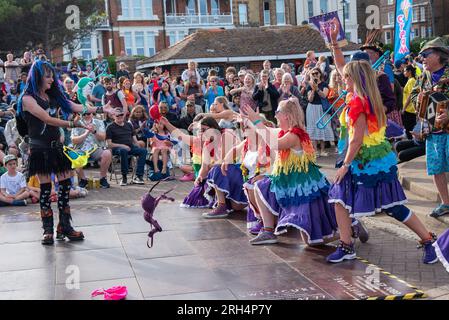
(47, 225)
(65, 228)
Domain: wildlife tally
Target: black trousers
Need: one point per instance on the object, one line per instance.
(409, 122)
(408, 150)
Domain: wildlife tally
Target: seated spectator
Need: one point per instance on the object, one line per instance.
(122, 72)
(115, 97)
(86, 140)
(13, 189)
(3, 145)
(235, 105)
(213, 91)
(34, 189)
(69, 85)
(163, 110)
(12, 136)
(122, 140)
(167, 96)
(191, 71)
(187, 120)
(138, 119)
(408, 150)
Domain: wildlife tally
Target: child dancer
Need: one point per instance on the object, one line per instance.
(367, 182)
(442, 249)
(296, 191)
(200, 145)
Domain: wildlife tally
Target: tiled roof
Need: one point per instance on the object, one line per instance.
(241, 42)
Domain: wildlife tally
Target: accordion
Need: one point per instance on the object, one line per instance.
(430, 105)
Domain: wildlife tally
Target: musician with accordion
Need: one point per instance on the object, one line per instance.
(431, 98)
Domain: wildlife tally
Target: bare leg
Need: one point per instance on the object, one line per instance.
(252, 199)
(238, 206)
(23, 196)
(220, 196)
(164, 153)
(418, 227)
(186, 169)
(155, 159)
(344, 223)
(441, 183)
(106, 159)
(268, 218)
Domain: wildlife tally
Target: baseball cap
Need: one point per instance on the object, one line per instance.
(360, 55)
(8, 158)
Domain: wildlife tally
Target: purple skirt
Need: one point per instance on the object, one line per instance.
(197, 199)
(231, 184)
(315, 218)
(361, 200)
(442, 249)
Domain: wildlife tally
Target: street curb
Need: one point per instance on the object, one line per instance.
(417, 189)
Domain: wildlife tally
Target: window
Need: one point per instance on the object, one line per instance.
(310, 8)
(280, 11)
(387, 37)
(243, 13)
(125, 8)
(137, 9)
(323, 6)
(203, 7)
(191, 7)
(391, 17)
(422, 12)
(415, 33)
(149, 7)
(424, 32)
(86, 48)
(390, 2)
(266, 13)
(171, 38)
(140, 43)
(214, 7)
(415, 15)
(347, 10)
(128, 43)
(348, 36)
(151, 44)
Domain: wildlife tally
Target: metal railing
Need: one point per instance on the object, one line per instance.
(197, 19)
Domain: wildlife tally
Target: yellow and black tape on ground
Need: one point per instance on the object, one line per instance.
(408, 296)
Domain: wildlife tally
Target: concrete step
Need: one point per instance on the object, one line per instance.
(413, 177)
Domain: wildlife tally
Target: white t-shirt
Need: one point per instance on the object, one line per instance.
(12, 184)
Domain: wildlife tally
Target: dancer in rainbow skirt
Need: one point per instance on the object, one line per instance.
(367, 183)
(296, 191)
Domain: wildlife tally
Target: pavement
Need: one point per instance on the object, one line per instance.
(198, 259)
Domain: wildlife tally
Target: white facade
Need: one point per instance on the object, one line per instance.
(309, 8)
(86, 49)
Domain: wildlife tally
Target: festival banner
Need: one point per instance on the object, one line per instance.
(323, 23)
(403, 27)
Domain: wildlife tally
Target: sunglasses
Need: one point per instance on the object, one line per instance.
(88, 114)
(315, 73)
(425, 54)
(120, 115)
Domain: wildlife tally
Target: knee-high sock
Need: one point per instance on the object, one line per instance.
(44, 198)
(63, 194)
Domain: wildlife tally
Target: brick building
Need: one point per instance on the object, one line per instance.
(441, 11)
(421, 21)
(144, 27)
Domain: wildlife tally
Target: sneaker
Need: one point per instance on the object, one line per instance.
(188, 177)
(19, 203)
(138, 180)
(429, 255)
(440, 210)
(124, 181)
(83, 183)
(359, 231)
(324, 154)
(264, 237)
(83, 192)
(343, 252)
(104, 183)
(217, 213)
(256, 229)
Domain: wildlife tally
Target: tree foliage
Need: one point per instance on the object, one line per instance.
(33, 23)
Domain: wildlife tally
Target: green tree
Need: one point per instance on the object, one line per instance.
(30, 23)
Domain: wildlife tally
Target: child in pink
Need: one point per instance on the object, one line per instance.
(160, 145)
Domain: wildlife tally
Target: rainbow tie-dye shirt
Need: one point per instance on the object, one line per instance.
(295, 178)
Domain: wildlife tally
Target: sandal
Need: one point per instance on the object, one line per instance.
(439, 211)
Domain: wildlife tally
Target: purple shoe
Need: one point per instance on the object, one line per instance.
(218, 213)
(343, 252)
(256, 229)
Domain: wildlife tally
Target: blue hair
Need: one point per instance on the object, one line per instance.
(35, 81)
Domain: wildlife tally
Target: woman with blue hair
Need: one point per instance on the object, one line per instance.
(38, 106)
